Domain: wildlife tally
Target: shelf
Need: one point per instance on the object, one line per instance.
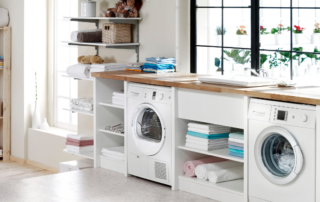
(80, 112)
(109, 104)
(98, 18)
(113, 133)
(222, 153)
(234, 186)
(100, 44)
(88, 156)
(111, 159)
(78, 78)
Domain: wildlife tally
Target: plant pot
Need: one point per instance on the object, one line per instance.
(275, 72)
(298, 38)
(36, 120)
(278, 39)
(218, 40)
(312, 70)
(300, 71)
(315, 38)
(242, 40)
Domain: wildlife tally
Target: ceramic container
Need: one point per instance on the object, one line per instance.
(298, 38)
(315, 38)
(278, 39)
(88, 8)
(36, 120)
(44, 125)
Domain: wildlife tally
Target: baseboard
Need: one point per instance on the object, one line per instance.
(18, 160)
(40, 165)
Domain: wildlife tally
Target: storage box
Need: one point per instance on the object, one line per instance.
(113, 33)
(76, 165)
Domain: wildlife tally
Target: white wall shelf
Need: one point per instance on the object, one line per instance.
(109, 104)
(88, 155)
(222, 153)
(78, 78)
(100, 44)
(113, 133)
(79, 112)
(81, 19)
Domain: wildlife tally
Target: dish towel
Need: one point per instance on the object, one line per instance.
(225, 175)
(237, 135)
(190, 166)
(210, 137)
(202, 170)
(79, 71)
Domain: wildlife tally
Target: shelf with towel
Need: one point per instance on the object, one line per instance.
(76, 78)
(110, 104)
(222, 153)
(100, 44)
(79, 112)
(88, 155)
(113, 133)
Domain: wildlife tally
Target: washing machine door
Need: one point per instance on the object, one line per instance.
(148, 129)
(278, 155)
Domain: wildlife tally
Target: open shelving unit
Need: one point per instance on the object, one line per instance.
(113, 133)
(110, 104)
(80, 112)
(88, 155)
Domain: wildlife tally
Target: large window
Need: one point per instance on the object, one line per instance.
(278, 37)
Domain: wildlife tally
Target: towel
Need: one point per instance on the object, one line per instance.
(161, 60)
(236, 151)
(119, 128)
(216, 131)
(117, 151)
(236, 148)
(210, 137)
(116, 97)
(79, 144)
(207, 141)
(207, 144)
(90, 36)
(79, 137)
(148, 70)
(237, 135)
(79, 71)
(210, 127)
(190, 166)
(109, 66)
(202, 170)
(118, 93)
(236, 140)
(74, 35)
(87, 148)
(236, 144)
(225, 175)
(135, 65)
(134, 70)
(235, 154)
(207, 148)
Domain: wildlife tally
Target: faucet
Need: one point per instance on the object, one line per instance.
(263, 73)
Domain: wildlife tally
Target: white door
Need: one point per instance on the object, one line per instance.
(148, 129)
(278, 155)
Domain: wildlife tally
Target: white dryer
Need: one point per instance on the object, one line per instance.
(149, 136)
(282, 154)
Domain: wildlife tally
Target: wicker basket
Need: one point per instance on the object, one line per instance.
(116, 33)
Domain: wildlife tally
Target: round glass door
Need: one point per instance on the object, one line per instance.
(278, 155)
(148, 129)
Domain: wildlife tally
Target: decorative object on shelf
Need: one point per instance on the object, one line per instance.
(111, 12)
(119, 128)
(79, 70)
(90, 59)
(263, 30)
(298, 33)
(278, 34)
(299, 70)
(36, 120)
(4, 17)
(315, 38)
(274, 64)
(113, 33)
(313, 67)
(217, 63)
(219, 33)
(239, 57)
(242, 35)
(129, 8)
(88, 8)
(45, 125)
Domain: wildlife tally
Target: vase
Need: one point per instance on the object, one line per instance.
(298, 37)
(315, 38)
(44, 125)
(300, 70)
(278, 39)
(218, 40)
(242, 40)
(36, 120)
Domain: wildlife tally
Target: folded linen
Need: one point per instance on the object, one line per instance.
(236, 140)
(161, 60)
(119, 128)
(79, 141)
(117, 151)
(190, 166)
(90, 36)
(157, 66)
(236, 144)
(237, 135)
(79, 144)
(79, 71)
(118, 93)
(157, 71)
(118, 97)
(236, 154)
(206, 141)
(135, 65)
(225, 175)
(134, 70)
(236, 151)
(92, 70)
(210, 137)
(74, 35)
(207, 148)
(81, 108)
(79, 137)
(79, 152)
(206, 144)
(86, 148)
(217, 131)
(210, 127)
(109, 66)
(202, 170)
(236, 147)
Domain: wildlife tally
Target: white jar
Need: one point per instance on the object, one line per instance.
(88, 8)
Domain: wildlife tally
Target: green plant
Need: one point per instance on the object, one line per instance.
(273, 61)
(219, 31)
(238, 56)
(286, 58)
(299, 56)
(313, 57)
(298, 30)
(263, 59)
(317, 28)
(279, 29)
(242, 30)
(263, 30)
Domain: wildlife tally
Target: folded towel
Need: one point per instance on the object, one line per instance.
(236, 140)
(79, 137)
(236, 151)
(207, 141)
(86, 148)
(135, 65)
(207, 148)
(92, 70)
(235, 154)
(90, 36)
(74, 35)
(79, 152)
(225, 175)
(118, 93)
(202, 170)
(117, 151)
(134, 70)
(190, 166)
(209, 127)
(119, 128)
(210, 137)
(109, 66)
(157, 66)
(161, 60)
(217, 131)
(237, 135)
(157, 71)
(207, 144)
(117, 97)
(80, 141)
(236, 144)
(235, 147)
(79, 144)
(79, 71)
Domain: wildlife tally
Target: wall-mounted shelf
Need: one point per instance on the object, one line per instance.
(78, 78)
(109, 104)
(79, 111)
(100, 44)
(222, 153)
(88, 155)
(113, 133)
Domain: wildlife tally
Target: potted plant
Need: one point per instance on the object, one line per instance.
(263, 59)
(242, 35)
(278, 33)
(316, 34)
(299, 69)
(239, 57)
(274, 64)
(285, 60)
(313, 68)
(219, 34)
(298, 33)
(217, 63)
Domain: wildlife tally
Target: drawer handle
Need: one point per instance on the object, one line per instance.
(259, 113)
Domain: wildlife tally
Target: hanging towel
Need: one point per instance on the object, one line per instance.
(236, 140)
(235, 147)
(202, 170)
(236, 151)
(207, 148)
(207, 141)
(206, 136)
(236, 144)
(79, 71)
(210, 127)
(235, 154)
(225, 175)
(237, 135)
(190, 166)
(79, 137)
(209, 132)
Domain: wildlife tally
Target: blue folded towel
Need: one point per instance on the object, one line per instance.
(235, 154)
(235, 151)
(237, 135)
(235, 147)
(158, 66)
(210, 137)
(161, 60)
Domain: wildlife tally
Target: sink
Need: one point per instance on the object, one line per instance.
(239, 80)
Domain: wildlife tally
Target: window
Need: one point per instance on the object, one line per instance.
(277, 37)
(64, 87)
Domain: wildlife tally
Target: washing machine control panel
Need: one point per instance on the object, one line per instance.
(161, 94)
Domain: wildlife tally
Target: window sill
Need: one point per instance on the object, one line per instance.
(55, 131)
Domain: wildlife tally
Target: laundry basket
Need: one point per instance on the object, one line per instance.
(116, 33)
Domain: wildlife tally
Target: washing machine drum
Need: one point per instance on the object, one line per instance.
(148, 130)
(278, 155)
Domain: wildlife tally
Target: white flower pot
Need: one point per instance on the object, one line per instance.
(218, 40)
(275, 72)
(242, 40)
(300, 70)
(298, 38)
(36, 120)
(312, 70)
(315, 38)
(278, 39)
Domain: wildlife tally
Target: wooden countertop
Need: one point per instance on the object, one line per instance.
(305, 95)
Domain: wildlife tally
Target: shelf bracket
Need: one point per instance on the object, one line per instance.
(97, 49)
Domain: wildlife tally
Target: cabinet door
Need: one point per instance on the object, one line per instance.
(138, 165)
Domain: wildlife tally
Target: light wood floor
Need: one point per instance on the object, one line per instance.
(10, 171)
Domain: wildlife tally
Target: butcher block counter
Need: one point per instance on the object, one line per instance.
(305, 95)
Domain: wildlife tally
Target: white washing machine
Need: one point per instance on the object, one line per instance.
(282, 153)
(149, 138)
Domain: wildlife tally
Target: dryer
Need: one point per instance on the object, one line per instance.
(282, 153)
(149, 112)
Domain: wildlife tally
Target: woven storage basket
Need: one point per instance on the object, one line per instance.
(116, 33)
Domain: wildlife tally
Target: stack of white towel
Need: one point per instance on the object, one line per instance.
(116, 153)
(106, 67)
(82, 104)
(82, 144)
(207, 136)
(118, 98)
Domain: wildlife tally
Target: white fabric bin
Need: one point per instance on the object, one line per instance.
(76, 165)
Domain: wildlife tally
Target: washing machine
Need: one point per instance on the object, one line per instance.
(282, 152)
(149, 111)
